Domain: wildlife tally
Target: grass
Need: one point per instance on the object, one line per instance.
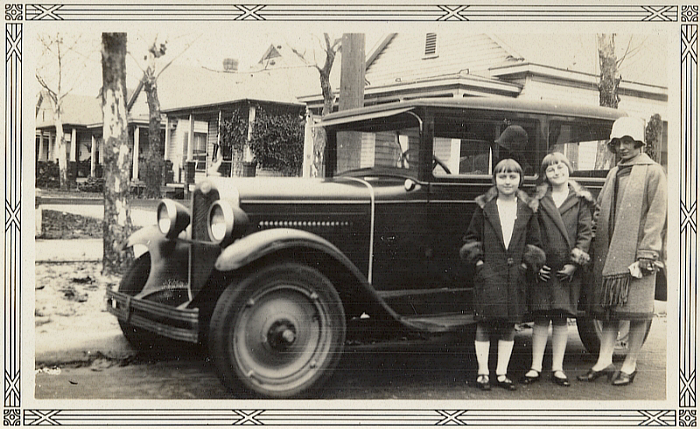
(60, 225)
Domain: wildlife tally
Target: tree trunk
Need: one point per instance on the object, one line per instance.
(117, 154)
(61, 149)
(609, 75)
(154, 153)
(327, 91)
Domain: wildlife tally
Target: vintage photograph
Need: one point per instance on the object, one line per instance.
(398, 214)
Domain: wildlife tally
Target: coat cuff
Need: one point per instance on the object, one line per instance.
(471, 253)
(534, 257)
(579, 257)
(648, 254)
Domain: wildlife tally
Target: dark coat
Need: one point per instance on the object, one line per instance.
(566, 236)
(500, 284)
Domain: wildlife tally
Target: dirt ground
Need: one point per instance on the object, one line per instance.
(70, 301)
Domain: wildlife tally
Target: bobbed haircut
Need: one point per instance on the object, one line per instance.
(552, 159)
(508, 165)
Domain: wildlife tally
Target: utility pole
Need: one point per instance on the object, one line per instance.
(352, 71)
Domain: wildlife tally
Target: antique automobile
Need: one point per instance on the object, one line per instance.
(268, 272)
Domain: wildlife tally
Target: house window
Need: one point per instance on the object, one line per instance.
(431, 45)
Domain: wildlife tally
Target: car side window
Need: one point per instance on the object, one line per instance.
(585, 145)
(471, 148)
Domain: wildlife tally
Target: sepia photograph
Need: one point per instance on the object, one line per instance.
(377, 215)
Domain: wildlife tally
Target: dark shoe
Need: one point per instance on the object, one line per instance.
(482, 382)
(592, 375)
(506, 383)
(562, 381)
(525, 379)
(623, 379)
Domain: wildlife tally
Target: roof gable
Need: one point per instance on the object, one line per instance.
(78, 110)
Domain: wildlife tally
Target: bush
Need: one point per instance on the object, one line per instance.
(92, 184)
(278, 141)
(47, 175)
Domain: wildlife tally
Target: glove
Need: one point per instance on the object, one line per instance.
(647, 266)
(567, 272)
(545, 273)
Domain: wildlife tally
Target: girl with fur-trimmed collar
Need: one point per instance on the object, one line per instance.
(503, 242)
(564, 215)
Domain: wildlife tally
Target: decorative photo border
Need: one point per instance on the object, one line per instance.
(17, 18)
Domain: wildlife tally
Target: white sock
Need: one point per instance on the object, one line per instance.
(482, 356)
(560, 334)
(505, 348)
(539, 343)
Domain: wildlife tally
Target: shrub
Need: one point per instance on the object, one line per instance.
(47, 175)
(92, 184)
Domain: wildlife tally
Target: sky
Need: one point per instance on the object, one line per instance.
(206, 50)
(209, 49)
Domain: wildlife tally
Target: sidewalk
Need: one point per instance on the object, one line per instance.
(101, 336)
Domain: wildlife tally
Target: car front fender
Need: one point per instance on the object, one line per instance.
(254, 246)
(169, 258)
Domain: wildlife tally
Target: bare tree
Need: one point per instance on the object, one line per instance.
(59, 58)
(155, 151)
(330, 48)
(610, 78)
(117, 215)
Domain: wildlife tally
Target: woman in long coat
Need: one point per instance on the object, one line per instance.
(628, 248)
(503, 241)
(564, 213)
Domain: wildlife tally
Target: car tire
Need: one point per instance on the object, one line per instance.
(279, 333)
(590, 331)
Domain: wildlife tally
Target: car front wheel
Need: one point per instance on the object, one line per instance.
(278, 333)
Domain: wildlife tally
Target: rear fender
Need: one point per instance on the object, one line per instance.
(169, 258)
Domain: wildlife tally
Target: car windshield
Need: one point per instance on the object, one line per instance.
(380, 147)
(584, 144)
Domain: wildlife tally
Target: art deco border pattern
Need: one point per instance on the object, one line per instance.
(15, 415)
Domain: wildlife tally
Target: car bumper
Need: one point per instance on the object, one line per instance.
(164, 320)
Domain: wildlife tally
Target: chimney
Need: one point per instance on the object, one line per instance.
(230, 65)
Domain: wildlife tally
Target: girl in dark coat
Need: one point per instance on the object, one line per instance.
(503, 241)
(564, 214)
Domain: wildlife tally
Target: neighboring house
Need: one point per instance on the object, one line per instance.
(82, 126)
(272, 84)
(553, 67)
(81, 115)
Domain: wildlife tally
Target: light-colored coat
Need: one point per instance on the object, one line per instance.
(649, 243)
(500, 283)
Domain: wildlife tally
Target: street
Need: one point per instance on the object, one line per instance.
(435, 369)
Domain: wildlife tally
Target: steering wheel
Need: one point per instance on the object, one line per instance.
(437, 161)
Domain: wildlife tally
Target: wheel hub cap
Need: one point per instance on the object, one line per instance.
(281, 335)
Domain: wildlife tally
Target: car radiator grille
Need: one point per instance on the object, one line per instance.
(200, 210)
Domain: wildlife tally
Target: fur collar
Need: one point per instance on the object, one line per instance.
(579, 191)
(492, 193)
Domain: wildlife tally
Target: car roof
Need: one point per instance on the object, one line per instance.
(483, 103)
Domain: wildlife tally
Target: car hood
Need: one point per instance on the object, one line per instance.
(257, 190)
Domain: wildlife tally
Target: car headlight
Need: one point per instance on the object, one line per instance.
(172, 218)
(226, 222)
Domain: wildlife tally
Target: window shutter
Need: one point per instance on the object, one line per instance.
(430, 43)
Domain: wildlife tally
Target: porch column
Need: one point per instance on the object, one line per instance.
(102, 150)
(135, 162)
(73, 145)
(41, 147)
(308, 145)
(248, 157)
(167, 138)
(190, 141)
(93, 155)
(52, 146)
